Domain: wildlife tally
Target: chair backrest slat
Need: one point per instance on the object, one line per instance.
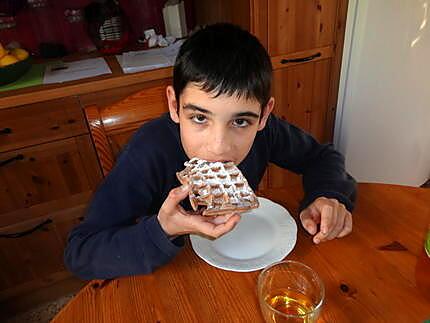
(111, 127)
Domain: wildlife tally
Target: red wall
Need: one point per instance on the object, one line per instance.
(50, 25)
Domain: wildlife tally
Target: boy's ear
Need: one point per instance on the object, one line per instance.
(173, 104)
(266, 113)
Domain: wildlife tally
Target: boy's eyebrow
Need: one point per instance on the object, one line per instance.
(190, 106)
(247, 114)
(194, 107)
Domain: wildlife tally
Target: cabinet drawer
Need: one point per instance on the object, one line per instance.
(47, 176)
(31, 253)
(40, 122)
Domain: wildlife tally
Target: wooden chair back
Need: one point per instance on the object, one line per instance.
(112, 126)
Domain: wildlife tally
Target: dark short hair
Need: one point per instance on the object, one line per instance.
(224, 59)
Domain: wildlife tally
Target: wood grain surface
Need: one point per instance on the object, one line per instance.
(297, 25)
(41, 122)
(46, 173)
(379, 273)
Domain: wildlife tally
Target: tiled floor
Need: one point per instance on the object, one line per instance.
(43, 313)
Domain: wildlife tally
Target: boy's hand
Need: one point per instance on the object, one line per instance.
(174, 220)
(334, 219)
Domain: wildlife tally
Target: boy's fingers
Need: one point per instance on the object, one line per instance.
(182, 210)
(347, 228)
(340, 224)
(328, 218)
(319, 237)
(175, 196)
(214, 230)
(220, 219)
(307, 221)
(221, 229)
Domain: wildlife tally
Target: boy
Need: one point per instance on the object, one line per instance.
(219, 110)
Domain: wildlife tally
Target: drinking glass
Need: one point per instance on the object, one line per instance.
(289, 291)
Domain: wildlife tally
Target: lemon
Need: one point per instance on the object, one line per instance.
(3, 51)
(8, 60)
(19, 53)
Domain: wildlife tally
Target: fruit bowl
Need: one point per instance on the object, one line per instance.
(12, 72)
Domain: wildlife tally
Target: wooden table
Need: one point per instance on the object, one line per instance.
(379, 273)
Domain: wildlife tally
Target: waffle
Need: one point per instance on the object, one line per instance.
(217, 187)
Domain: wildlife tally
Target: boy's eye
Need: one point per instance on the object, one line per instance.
(240, 123)
(199, 118)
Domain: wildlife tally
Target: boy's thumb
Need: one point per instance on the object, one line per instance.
(183, 190)
(307, 221)
(179, 193)
(175, 196)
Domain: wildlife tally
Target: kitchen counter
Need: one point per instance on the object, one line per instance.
(117, 79)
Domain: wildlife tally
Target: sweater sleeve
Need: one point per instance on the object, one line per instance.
(322, 167)
(110, 242)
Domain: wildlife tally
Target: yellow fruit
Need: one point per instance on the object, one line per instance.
(3, 51)
(8, 60)
(19, 53)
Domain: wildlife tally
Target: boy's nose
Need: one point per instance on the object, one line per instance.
(219, 146)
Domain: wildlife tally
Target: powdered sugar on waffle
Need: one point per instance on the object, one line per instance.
(220, 186)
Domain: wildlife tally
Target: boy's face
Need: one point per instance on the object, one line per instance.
(219, 128)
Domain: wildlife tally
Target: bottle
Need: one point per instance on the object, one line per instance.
(422, 268)
(427, 243)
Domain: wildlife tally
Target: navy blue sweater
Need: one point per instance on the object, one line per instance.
(121, 235)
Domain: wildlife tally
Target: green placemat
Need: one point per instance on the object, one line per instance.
(34, 76)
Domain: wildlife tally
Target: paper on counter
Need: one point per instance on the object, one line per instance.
(144, 60)
(63, 72)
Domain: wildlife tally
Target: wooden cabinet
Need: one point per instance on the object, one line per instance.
(40, 122)
(298, 25)
(31, 252)
(45, 177)
(48, 171)
(301, 95)
(304, 39)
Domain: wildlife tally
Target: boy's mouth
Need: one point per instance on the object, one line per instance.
(220, 161)
(217, 160)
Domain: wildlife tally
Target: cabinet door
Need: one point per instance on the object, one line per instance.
(31, 252)
(297, 25)
(41, 122)
(46, 178)
(301, 96)
(304, 39)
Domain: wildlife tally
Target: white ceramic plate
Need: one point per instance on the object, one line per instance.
(263, 236)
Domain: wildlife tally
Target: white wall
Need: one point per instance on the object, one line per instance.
(383, 118)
